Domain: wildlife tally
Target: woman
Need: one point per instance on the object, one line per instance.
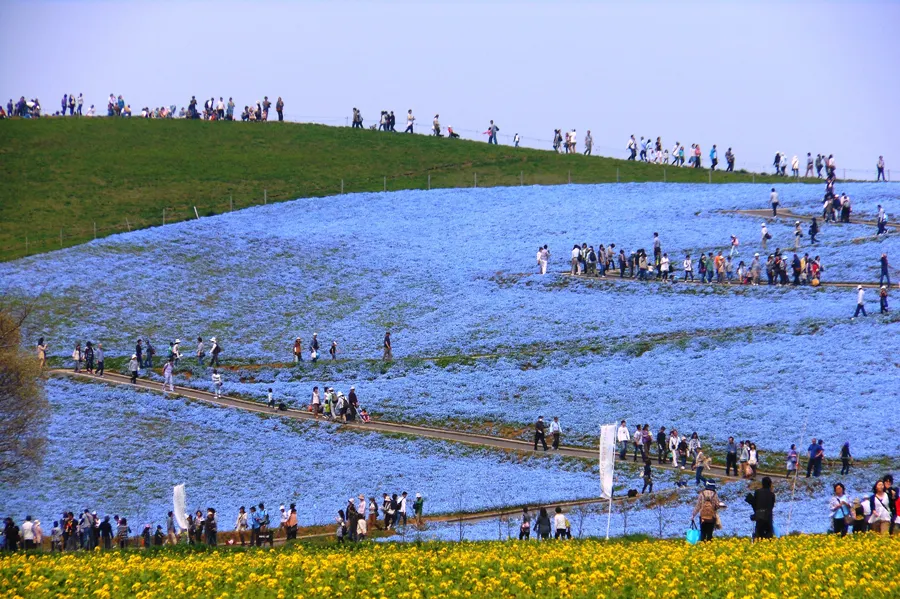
(42, 352)
(122, 531)
(880, 514)
(543, 524)
(373, 514)
(700, 462)
(753, 461)
(241, 525)
(845, 459)
(793, 458)
(77, 357)
(341, 526)
(840, 510)
(707, 507)
(525, 527)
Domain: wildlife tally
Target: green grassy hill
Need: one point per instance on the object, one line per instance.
(61, 178)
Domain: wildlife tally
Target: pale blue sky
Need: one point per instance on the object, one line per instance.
(819, 77)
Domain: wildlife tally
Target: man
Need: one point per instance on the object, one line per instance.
(588, 143)
(809, 165)
(241, 526)
(265, 108)
(773, 199)
(814, 453)
(622, 438)
(657, 250)
(764, 236)
(555, 431)
(333, 350)
(401, 514)
(731, 457)
(539, 433)
(763, 508)
(229, 110)
(263, 516)
(860, 301)
(713, 157)
(632, 148)
(98, 355)
(410, 119)
(729, 159)
(314, 345)
(544, 259)
(284, 517)
(417, 509)
(492, 133)
(644, 149)
(884, 271)
(279, 108)
(220, 109)
(661, 444)
(170, 529)
(357, 119)
(388, 349)
(879, 166)
(139, 352)
(214, 352)
(819, 166)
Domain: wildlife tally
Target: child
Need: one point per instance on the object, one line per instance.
(133, 367)
(56, 537)
(271, 399)
(217, 382)
(883, 298)
(364, 415)
(327, 409)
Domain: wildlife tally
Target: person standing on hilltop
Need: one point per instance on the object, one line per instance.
(588, 143)
(410, 119)
(492, 133)
(266, 105)
(880, 167)
(632, 148)
(809, 165)
(729, 160)
(713, 157)
(279, 108)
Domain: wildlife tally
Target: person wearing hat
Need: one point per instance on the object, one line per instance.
(764, 236)
(860, 301)
(883, 299)
(214, 351)
(333, 350)
(167, 376)
(298, 350)
(539, 428)
(798, 233)
(133, 368)
(707, 507)
(176, 351)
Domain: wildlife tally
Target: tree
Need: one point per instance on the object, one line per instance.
(23, 403)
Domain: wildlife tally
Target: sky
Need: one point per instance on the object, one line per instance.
(757, 77)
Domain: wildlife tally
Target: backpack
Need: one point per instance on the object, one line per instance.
(265, 520)
(707, 510)
(217, 350)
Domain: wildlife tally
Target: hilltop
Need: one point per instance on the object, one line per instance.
(62, 179)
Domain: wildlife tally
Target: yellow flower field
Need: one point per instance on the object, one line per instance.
(802, 566)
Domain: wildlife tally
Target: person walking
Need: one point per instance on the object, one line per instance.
(813, 230)
(555, 432)
(544, 259)
(418, 507)
(410, 119)
(332, 351)
(648, 476)
(133, 368)
(763, 510)
(241, 525)
(167, 377)
(846, 457)
(809, 165)
(661, 444)
(883, 299)
(298, 350)
(201, 352)
(773, 199)
(214, 352)
(885, 272)
(879, 509)
(217, 383)
(99, 356)
(388, 348)
(542, 524)
(860, 301)
(765, 236)
(880, 170)
(588, 143)
(841, 510)
(77, 357)
(42, 353)
(700, 463)
(881, 221)
(707, 507)
(814, 453)
(713, 157)
(539, 437)
(792, 462)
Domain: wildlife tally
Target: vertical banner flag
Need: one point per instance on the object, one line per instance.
(607, 459)
(179, 511)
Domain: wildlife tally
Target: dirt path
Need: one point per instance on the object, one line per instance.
(787, 214)
(375, 425)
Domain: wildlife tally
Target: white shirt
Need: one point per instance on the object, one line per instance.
(559, 521)
(220, 105)
(859, 296)
(664, 264)
(688, 265)
(28, 530)
(622, 434)
(217, 379)
(774, 197)
(576, 253)
(409, 119)
(764, 231)
(881, 513)
(554, 427)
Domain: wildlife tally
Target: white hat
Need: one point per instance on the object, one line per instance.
(282, 508)
(178, 341)
(418, 495)
(213, 339)
(763, 225)
(859, 286)
(353, 388)
(797, 222)
(133, 356)
(756, 255)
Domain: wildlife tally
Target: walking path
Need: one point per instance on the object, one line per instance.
(787, 214)
(375, 425)
(615, 278)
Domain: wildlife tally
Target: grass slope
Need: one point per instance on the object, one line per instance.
(60, 178)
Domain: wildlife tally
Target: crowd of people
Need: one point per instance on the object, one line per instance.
(646, 150)
(255, 527)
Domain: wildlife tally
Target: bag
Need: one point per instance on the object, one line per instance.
(692, 536)
(768, 236)
(707, 511)
(718, 522)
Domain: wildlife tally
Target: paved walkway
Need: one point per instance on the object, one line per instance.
(377, 425)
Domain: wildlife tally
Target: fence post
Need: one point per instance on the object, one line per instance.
(95, 229)
(664, 174)
(429, 181)
(265, 196)
(164, 217)
(617, 174)
(26, 245)
(127, 224)
(476, 179)
(385, 183)
(342, 187)
(231, 202)
(522, 177)
(196, 214)
(60, 238)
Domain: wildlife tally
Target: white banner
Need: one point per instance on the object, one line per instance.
(179, 511)
(607, 459)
